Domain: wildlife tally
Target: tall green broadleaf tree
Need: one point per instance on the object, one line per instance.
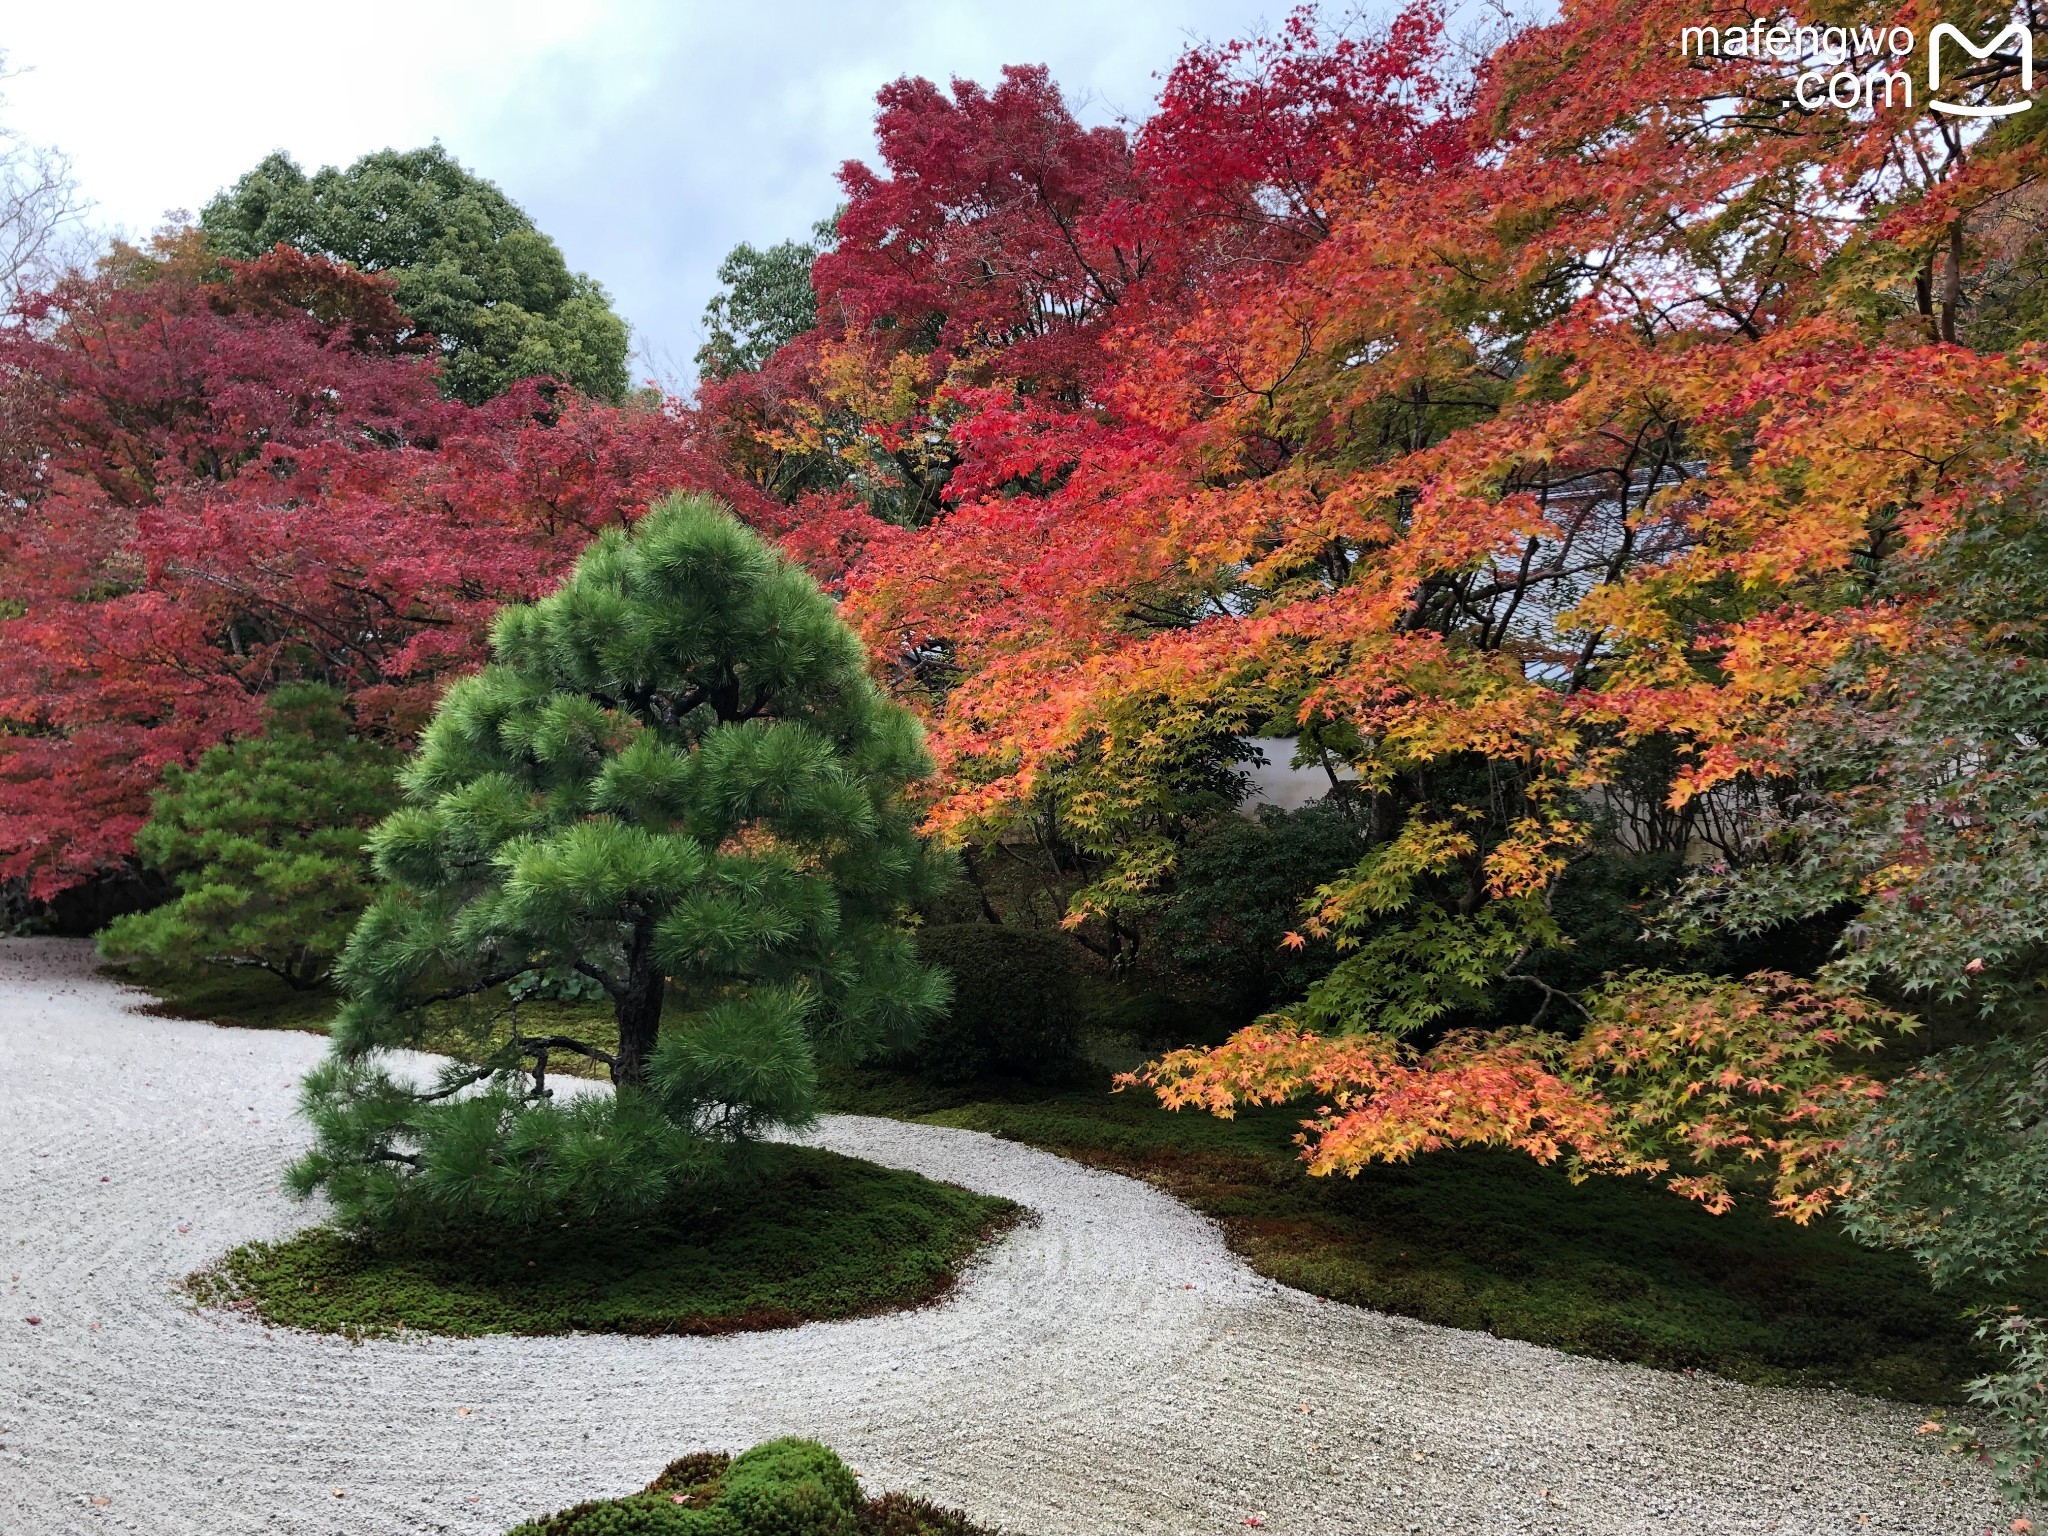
(471, 267)
(764, 299)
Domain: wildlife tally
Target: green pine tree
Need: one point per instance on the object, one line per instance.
(677, 779)
(264, 839)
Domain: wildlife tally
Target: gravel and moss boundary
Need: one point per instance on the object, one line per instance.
(1109, 1368)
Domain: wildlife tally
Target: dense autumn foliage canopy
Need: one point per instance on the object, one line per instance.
(1551, 445)
(223, 476)
(1538, 443)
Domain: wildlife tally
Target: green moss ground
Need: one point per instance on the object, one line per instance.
(823, 1236)
(246, 999)
(1492, 1241)
(1473, 1240)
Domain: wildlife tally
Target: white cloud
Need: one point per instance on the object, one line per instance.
(646, 137)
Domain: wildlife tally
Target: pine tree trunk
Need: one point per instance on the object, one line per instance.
(638, 1009)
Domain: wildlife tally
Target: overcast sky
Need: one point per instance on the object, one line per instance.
(647, 138)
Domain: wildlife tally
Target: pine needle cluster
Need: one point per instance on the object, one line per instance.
(676, 779)
(264, 839)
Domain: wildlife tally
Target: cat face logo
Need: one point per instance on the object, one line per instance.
(2023, 51)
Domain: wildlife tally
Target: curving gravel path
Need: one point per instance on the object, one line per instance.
(1108, 1369)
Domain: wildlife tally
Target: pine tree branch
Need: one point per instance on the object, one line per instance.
(496, 979)
(454, 1088)
(540, 1045)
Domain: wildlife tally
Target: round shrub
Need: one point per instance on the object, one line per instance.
(1225, 922)
(790, 1488)
(1016, 1004)
(264, 837)
(782, 1488)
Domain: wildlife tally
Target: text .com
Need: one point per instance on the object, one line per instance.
(1861, 67)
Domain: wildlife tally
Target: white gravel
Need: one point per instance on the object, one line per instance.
(1110, 1368)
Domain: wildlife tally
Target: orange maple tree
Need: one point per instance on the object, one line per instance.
(1725, 1078)
(1560, 420)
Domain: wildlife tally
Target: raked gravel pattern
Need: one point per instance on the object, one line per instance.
(1108, 1368)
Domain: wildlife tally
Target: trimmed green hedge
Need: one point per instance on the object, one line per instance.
(782, 1488)
(1016, 1004)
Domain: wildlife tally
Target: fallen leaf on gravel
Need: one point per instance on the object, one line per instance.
(1417, 1456)
(1929, 1428)
(1254, 1520)
(33, 1322)
(2023, 1525)
(463, 1411)
(101, 1501)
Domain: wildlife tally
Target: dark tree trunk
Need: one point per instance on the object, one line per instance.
(973, 867)
(302, 972)
(637, 1006)
(1952, 281)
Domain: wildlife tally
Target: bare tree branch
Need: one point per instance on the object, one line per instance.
(42, 210)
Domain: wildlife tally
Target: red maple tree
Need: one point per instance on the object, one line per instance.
(221, 477)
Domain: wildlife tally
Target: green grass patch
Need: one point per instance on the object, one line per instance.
(783, 1488)
(818, 1236)
(1491, 1240)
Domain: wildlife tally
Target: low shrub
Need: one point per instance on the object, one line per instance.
(1016, 1004)
(264, 839)
(782, 1488)
(1225, 921)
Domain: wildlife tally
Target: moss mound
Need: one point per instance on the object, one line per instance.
(819, 1236)
(783, 1488)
